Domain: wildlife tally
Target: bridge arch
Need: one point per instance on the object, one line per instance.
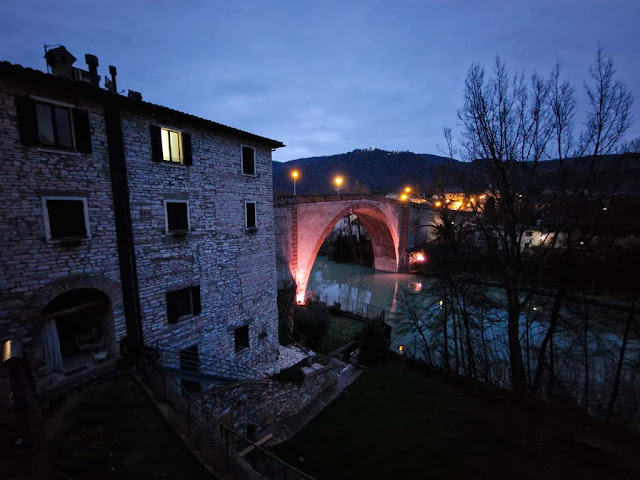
(316, 220)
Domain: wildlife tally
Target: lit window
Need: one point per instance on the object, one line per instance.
(171, 145)
(183, 302)
(250, 215)
(66, 218)
(248, 160)
(241, 338)
(176, 216)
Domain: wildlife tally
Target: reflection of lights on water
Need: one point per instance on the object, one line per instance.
(417, 287)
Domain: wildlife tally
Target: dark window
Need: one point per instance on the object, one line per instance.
(250, 215)
(528, 233)
(241, 337)
(54, 126)
(248, 161)
(185, 301)
(177, 216)
(51, 125)
(189, 359)
(66, 218)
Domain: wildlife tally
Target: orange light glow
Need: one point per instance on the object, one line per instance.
(403, 196)
(401, 348)
(438, 204)
(420, 257)
(407, 189)
(338, 181)
(295, 174)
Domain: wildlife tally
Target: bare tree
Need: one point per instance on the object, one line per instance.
(509, 127)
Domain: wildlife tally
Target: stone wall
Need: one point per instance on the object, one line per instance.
(35, 270)
(264, 402)
(234, 268)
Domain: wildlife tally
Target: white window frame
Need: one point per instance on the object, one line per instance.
(246, 226)
(177, 130)
(166, 215)
(47, 223)
(255, 155)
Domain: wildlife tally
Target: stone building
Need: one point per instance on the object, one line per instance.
(125, 219)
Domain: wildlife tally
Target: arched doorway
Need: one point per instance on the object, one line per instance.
(77, 331)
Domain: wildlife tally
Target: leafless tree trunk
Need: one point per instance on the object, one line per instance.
(618, 375)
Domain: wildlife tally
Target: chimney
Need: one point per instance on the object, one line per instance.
(113, 71)
(60, 61)
(92, 62)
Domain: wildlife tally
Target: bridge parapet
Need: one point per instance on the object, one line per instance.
(346, 197)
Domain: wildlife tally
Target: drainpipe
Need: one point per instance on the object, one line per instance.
(124, 229)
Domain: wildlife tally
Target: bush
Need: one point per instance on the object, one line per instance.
(312, 321)
(374, 343)
(292, 374)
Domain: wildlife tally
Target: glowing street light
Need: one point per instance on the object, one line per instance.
(338, 181)
(438, 204)
(407, 189)
(295, 174)
(404, 196)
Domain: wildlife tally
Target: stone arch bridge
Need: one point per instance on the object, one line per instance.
(303, 223)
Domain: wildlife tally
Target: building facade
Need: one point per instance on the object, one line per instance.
(124, 219)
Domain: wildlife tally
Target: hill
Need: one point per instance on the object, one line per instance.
(380, 170)
(384, 172)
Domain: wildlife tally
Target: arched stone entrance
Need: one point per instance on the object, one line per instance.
(77, 331)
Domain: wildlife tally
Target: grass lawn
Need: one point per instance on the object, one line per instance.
(111, 429)
(393, 423)
(341, 330)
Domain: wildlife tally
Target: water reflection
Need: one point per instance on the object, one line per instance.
(350, 284)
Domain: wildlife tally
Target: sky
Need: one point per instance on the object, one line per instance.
(325, 77)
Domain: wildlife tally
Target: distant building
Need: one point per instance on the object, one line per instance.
(121, 218)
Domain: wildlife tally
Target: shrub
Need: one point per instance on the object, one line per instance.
(292, 374)
(374, 343)
(312, 321)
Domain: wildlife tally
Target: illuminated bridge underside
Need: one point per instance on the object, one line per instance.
(303, 223)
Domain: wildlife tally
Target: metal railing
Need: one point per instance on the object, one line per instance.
(358, 308)
(211, 433)
(188, 362)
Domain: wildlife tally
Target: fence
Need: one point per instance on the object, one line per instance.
(191, 361)
(213, 434)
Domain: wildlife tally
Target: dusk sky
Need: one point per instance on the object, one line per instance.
(325, 77)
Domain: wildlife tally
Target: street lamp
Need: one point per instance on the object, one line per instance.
(338, 181)
(407, 190)
(295, 174)
(403, 197)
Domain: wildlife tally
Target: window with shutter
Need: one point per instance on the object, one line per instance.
(53, 125)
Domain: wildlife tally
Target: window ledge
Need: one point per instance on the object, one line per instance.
(243, 352)
(173, 164)
(59, 150)
(67, 240)
(178, 233)
(254, 175)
